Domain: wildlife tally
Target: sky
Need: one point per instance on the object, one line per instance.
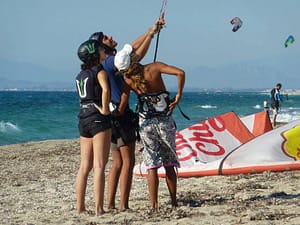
(39, 39)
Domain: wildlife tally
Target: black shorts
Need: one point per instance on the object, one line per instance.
(275, 105)
(125, 127)
(92, 125)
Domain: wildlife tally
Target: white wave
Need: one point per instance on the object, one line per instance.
(206, 106)
(287, 117)
(257, 107)
(293, 108)
(8, 127)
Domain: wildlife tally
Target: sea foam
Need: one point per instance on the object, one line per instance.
(6, 127)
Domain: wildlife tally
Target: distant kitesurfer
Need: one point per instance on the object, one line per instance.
(275, 101)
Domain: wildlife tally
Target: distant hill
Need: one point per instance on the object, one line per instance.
(247, 75)
(26, 76)
(252, 75)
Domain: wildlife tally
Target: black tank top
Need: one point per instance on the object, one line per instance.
(89, 91)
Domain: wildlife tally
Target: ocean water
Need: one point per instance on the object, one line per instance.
(34, 116)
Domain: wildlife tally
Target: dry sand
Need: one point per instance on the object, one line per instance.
(37, 187)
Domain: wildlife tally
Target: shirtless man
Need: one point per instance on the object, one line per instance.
(156, 125)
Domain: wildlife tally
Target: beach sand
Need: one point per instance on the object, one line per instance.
(38, 187)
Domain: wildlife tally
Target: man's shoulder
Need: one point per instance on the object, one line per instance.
(109, 60)
(108, 64)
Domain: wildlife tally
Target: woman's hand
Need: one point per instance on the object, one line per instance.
(101, 110)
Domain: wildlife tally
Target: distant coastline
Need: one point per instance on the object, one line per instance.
(264, 91)
(285, 92)
(187, 89)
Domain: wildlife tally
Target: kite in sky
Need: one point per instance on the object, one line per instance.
(237, 23)
(289, 41)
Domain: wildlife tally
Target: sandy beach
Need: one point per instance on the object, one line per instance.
(38, 187)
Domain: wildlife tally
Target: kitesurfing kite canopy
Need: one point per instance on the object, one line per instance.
(237, 23)
(227, 144)
(289, 41)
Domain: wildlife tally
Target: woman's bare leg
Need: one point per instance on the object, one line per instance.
(86, 164)
(101, 145)
(113, 178)
(128, 159)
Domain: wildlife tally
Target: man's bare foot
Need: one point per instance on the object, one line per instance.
(127, 209)
(112, 209)
(101, 212)
(80, 211)
(85, 212)
(174, 205)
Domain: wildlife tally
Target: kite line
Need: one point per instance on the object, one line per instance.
(161, 16)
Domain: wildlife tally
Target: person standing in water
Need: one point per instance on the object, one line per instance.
(275, 102)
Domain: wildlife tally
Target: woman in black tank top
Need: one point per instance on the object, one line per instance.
(94, 124)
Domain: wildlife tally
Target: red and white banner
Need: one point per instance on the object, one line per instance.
(210, 139)
(258, 123)
(223, 145)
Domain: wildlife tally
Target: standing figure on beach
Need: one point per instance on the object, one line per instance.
(266, 106)
(275, 101)
(124, 123)
(94, 123)
(156, 125)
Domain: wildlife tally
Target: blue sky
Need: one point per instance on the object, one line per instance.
(45, 35)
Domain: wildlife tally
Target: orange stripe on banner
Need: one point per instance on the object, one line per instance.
(236, 127)
(262, 123)
(193, 173)
(233, 171)
(198, 173)
(260, 169)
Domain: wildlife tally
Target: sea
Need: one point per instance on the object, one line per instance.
(27, 116)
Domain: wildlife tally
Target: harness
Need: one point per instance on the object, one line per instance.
(86, 106)
(154, 104)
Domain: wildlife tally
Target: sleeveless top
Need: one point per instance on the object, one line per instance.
(116, 81)
(154, 104)
(89, 91)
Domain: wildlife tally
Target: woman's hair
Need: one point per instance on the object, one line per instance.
(90, 64)
(135, 73)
